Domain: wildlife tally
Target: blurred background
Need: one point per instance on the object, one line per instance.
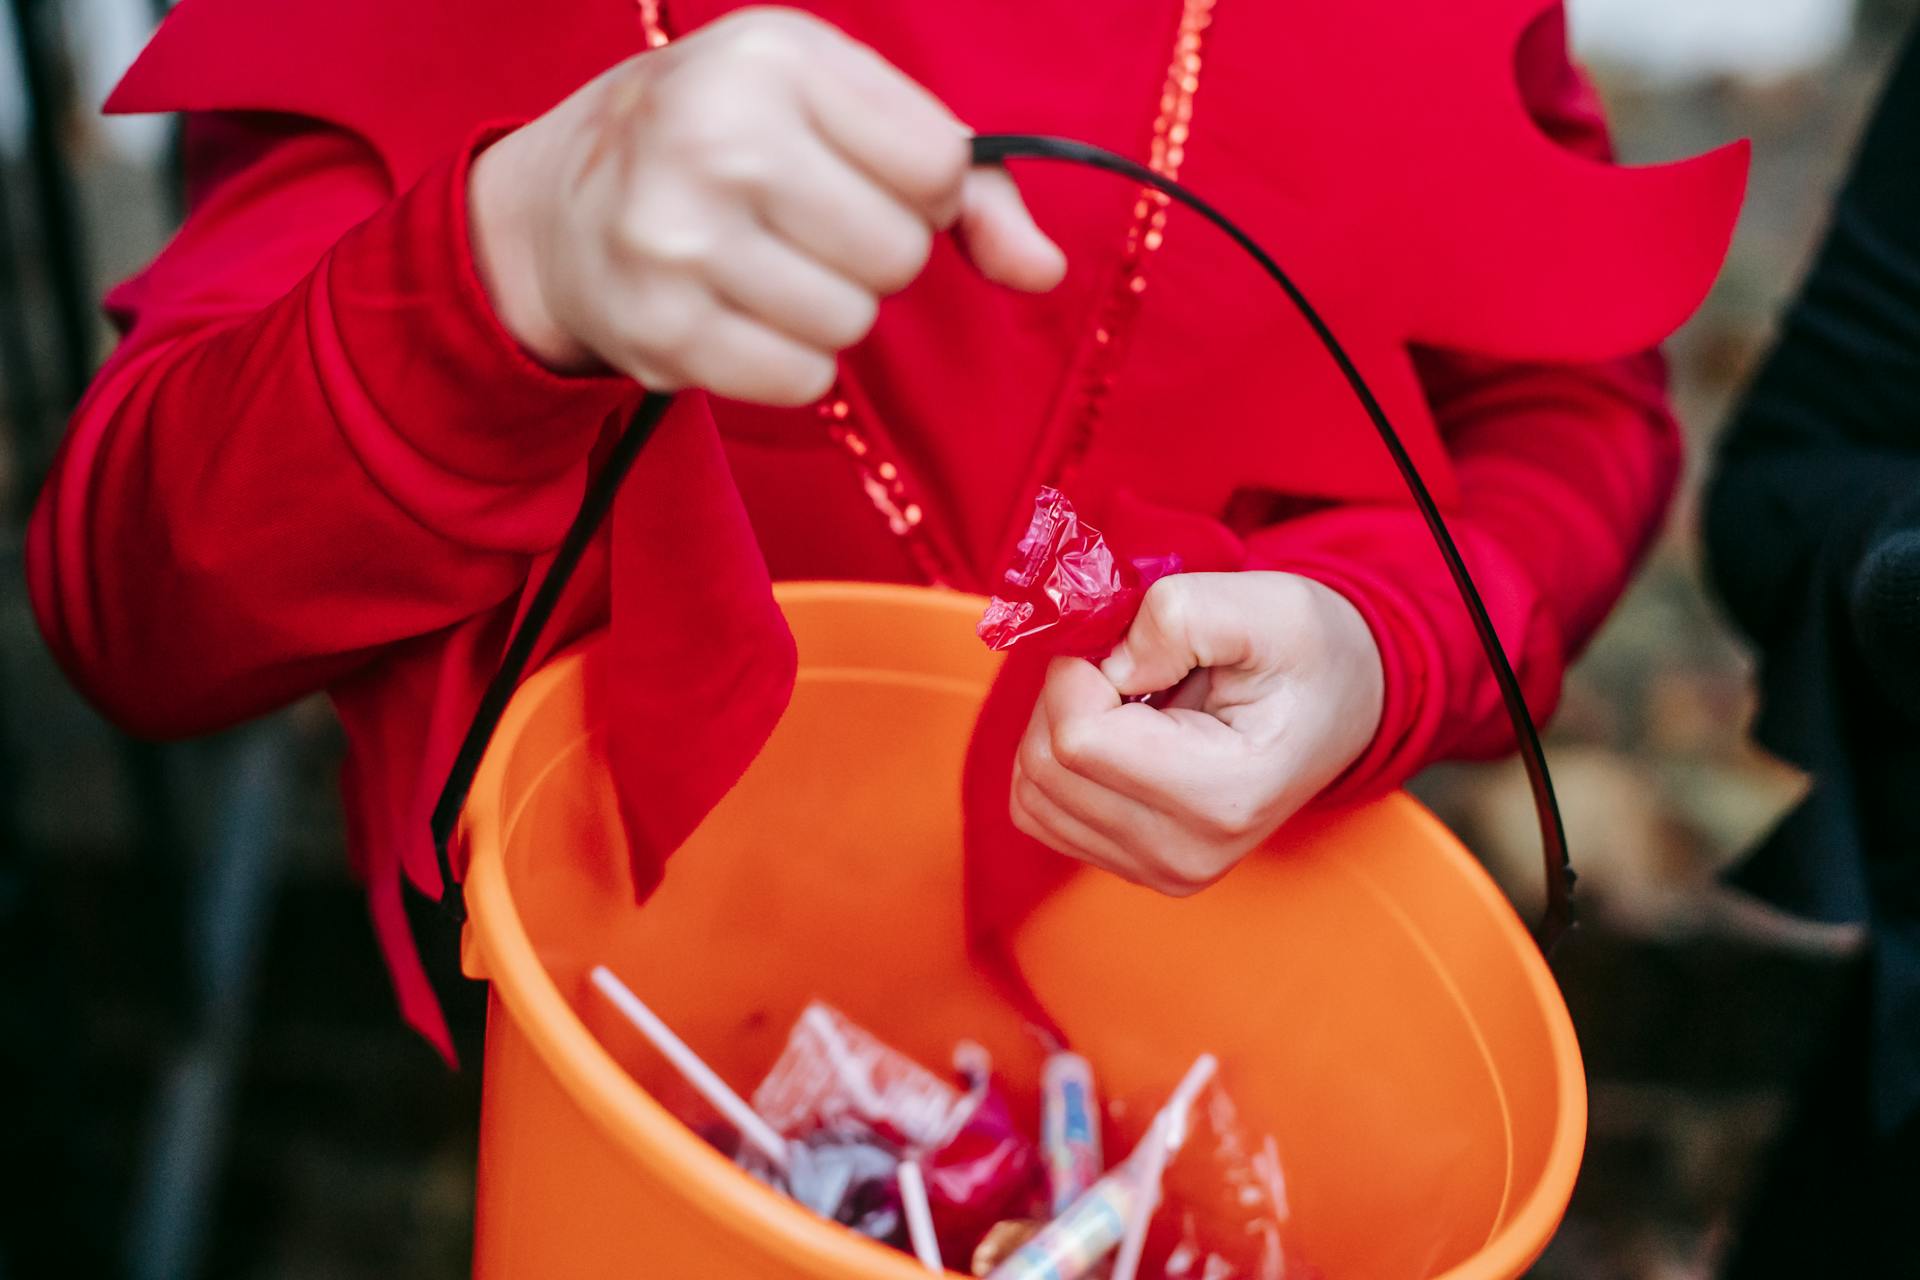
(201, 1071)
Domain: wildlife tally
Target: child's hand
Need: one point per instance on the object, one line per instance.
(726, 212)
(1285, 693)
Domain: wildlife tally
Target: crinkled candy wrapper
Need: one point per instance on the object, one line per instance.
(837, 1079)
(848, 1178)
(1066, 592)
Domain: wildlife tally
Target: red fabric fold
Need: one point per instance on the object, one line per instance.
(703, 663)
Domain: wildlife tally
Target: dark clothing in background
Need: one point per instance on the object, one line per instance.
(1836, 1199)
(1813, 533)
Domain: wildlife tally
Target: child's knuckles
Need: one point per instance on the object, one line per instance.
(815, 378)
(1075, 743)
(1035, 754)
(936, 169)
(801, 380)
(673, 329)
(897, 254)
(1168, 611)
(1222, 820)
(846, 321)
(742, 168)
(709, 116)
(1024, 822)
(769, 37)
(1027, 794)
(647, 236)
(1181, 875)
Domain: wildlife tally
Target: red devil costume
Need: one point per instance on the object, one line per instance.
(316, 460)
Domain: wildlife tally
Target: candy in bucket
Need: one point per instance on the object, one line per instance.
(861, 1134)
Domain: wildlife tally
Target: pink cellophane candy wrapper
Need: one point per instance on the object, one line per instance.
(835, 1077)
(1066, 592)
(834, 1072)
(989, 1171)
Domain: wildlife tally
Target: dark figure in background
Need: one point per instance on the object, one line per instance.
(1813, 529)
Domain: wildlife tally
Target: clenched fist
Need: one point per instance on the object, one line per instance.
(1278, 688)
(726, 212)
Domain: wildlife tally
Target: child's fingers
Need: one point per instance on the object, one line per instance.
(1001, 237)
(1118, 817)
(1166, 760)
(838, 215)
(1075, 694)
(1191, 694)
(794, 294)
(1075, 691)
(900, 134)
(1195, 770)
(744, 359)
(1040, 816)
(1149, 849)
(1080, 725)
(1186, 621)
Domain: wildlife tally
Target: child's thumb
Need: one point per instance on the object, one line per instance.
(1163, 644)
(1002, 238)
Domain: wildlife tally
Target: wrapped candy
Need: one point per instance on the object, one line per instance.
(987, 1170)
(1074, 1244)
(835, 1078)
(849, 1178)
(1002, 1241)
(861, 1134)
(1114, 1212)
(834, 1072)
(1066, 591)
(846, 1173)
(1069, 1128)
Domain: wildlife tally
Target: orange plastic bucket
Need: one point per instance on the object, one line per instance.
(1375, 1002)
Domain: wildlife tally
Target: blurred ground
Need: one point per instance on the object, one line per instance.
(350, 1149)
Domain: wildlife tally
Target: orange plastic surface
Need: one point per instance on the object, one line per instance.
(1377, 1005)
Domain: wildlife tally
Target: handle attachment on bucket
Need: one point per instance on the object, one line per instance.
(995, 149)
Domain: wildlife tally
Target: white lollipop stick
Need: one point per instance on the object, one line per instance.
(913, 1199)
(1165, 1137)
(757, 1132)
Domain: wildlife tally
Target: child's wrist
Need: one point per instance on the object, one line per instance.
(501, 225)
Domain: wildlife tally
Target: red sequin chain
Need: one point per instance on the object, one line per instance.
(1172, 125)
(886, 487)
(652, 23)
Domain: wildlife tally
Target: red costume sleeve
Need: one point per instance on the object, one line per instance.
(1564, 472)
(305, 327)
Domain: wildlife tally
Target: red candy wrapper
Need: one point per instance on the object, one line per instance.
(1066, 592)
(834, 1073)
(987, 1172)
(835, 1078)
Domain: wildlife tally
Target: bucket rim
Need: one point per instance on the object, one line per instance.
(496, 948)
(1530, 1225)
